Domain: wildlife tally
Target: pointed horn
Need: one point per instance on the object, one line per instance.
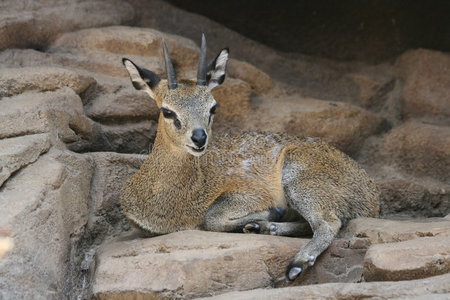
(201, 73)
(171, 78)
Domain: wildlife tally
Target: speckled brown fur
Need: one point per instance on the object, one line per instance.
(238, 181)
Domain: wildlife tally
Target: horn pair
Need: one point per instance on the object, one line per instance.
(201, 72)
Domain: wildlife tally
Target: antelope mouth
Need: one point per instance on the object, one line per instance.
(196, 151)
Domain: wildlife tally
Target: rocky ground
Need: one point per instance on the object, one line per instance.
(73, 129)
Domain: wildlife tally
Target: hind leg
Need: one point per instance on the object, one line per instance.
(314, 203)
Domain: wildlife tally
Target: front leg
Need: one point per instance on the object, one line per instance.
(232, 212)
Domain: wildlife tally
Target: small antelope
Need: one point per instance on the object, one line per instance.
(250, 182)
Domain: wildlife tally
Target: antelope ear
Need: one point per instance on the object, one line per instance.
(142, 79)
(216, 70)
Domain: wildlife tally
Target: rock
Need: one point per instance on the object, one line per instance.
(343, 125)
(191, 264)
(59, 112)
(387, 231)
(404, 197)
(233, 97)
(111, 170)
(127, 105)
(45, 205)
(420, 149)
(14, 81)
(426, 76)
(258, 80)
(26, 24)
(118, 41)
(127, 137)
(407, 260)
(430, 288)
(18, 152)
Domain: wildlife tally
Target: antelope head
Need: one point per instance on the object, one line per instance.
(187, 107)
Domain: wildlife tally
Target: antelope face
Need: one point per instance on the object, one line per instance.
(187, 108)
(187, 114)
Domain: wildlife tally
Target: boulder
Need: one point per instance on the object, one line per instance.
(437, 287)
(36, 24)
(258, 80)
(110, 44)
(377, 231)
(407, 260)
(343, 125)
(126, 105)
(233, 97)
(60, 112)
(18, 152)
(414, 199)
(426, 76)
(14, 81)
(45, 206)
(111, 170)
(420, 149)
(190, 264)
(126, 137)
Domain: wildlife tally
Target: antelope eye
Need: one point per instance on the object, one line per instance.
(213, 109)
(167, 113)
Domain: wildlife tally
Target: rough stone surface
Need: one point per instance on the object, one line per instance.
(258, 80)
(343, 125)
(15, 81)
(405, 197)
(45, 205)
(36, 23)
(111, 170)
(59, 112)
(128, 105)
(377, 231)
(16, 153)
(421, 149)
(430, 288)
(407, 260)
(105, 44)
(191, 264)
(426, 76)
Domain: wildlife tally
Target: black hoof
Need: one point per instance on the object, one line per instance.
(251, 228)
(293, 272)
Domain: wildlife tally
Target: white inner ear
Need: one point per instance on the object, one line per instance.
(219, 69)
(136, 78)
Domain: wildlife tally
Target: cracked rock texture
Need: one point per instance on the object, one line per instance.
(73, 129)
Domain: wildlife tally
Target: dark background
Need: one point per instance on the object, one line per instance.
(373, 30)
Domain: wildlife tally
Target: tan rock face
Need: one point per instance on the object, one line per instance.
(27, 24)
(430, 288)
(16, 153)
(426, 76)
(14, 81)
(421, 149)
(258, 80)
(45, 206)
(387, 231)
(191, 264)
(343, 125)
(404, 197)
(414, 259)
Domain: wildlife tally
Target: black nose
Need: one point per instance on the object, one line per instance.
(199, 137)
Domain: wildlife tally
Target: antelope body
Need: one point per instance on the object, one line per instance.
(250, 182)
